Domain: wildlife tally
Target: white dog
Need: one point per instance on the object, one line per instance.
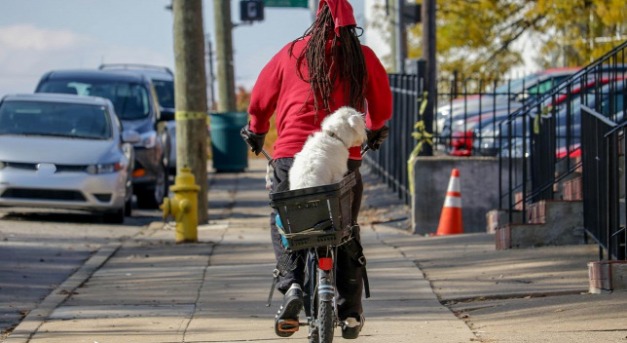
(324, 156)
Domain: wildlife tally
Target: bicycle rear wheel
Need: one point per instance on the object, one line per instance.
(326, 322)
(321, 311)
(325, 318)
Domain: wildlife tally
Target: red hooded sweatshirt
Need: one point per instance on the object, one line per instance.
(279, 89)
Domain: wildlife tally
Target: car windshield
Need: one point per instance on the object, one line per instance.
(533, 84)
(129, 99)
(165, 93)
(516, 86)
(21, 117)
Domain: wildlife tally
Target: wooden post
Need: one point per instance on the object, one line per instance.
(191, 96)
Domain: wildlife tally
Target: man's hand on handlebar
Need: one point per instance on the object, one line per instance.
(376, 137)
(254, 140)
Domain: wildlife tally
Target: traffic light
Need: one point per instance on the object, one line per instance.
(251, 10)
(411, 13)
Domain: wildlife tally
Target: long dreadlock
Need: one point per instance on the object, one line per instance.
(345, 61)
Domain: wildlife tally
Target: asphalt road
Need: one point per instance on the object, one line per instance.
(40, 250)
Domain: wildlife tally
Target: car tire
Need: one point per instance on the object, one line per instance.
(152, 197)
(128, 207)
(167, 148)
(116, 217)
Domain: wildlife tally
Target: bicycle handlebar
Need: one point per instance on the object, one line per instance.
(269, 158)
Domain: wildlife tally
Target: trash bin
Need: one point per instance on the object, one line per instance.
(230, 153)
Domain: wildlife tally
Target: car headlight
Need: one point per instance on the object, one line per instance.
(148, 140)
(104, 168)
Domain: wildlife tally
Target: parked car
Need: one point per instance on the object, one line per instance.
(481, 125)
(457, 122)
(133, 97)
(163, 81)
(65, 152)
(610, 100)
(507, 96)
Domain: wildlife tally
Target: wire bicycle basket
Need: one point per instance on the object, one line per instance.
(315, 216)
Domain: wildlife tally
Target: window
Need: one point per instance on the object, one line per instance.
(165, 93)
(130, 100)
(54, 119)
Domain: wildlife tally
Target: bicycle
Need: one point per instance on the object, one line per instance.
(316, 219)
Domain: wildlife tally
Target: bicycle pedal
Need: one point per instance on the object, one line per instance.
(287, 325)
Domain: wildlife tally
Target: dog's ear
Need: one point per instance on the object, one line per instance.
(356, 121)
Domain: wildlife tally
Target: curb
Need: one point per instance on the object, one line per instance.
(35, 318)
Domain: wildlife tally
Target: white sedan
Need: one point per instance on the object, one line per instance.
(65, 152)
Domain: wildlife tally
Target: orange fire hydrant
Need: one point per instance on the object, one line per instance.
(183, 206)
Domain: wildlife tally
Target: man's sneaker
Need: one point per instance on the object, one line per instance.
(286, 320)
(351, 327)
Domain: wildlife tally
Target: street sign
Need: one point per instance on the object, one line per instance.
(251, 10)
(287, 3)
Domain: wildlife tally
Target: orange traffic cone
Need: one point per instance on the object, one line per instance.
(451, 217)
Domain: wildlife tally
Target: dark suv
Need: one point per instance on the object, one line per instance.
(162, 79)
(134, 99)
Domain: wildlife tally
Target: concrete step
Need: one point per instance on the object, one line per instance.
(573, 189)
(555, 222)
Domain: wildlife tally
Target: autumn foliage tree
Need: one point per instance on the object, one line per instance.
(477, 37)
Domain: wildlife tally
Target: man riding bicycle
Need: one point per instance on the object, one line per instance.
(308, 79)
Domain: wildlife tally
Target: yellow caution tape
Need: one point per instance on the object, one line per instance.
(188, 115)
(422, 137)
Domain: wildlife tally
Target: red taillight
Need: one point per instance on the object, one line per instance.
(325, 263)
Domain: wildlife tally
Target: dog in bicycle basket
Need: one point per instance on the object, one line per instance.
(320, 195)
(323, 159)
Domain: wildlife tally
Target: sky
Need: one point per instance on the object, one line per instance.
(38, 36)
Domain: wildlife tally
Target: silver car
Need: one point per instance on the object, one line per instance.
(65, 152)
(135, 103)
(162, 79)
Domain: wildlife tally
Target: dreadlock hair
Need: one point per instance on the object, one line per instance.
(345, 61)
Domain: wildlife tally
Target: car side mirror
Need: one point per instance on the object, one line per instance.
(131, 137)
(167, 114)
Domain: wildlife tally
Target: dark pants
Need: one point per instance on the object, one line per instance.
(349, 273)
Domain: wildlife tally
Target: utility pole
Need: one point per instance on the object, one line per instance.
(224, 47)
(428, 53)
(211, 75)
(401, 37)
(191, 96)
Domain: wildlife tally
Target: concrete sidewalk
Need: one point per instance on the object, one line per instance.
(424, 289)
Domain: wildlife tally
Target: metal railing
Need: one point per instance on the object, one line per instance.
(469, 109)
(541, 142)
(459, 100)
(604, 146)
(390, 161)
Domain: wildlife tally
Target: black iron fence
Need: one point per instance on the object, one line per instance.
(469, 110)
(513, 119)
(465, 121)
(390, 162)
(541, 142)
(604, 180)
